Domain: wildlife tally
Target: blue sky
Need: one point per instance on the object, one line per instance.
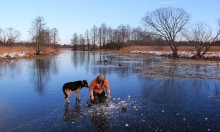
(70, 16)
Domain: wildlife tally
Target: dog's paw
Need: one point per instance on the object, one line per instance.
(78, 99)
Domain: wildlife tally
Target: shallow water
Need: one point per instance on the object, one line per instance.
(148, 94)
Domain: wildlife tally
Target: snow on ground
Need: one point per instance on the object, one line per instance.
(181, 53)
(13, 55)
(158, 53)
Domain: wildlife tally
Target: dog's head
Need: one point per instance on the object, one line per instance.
(85, 83)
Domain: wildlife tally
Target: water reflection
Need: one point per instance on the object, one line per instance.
(105, 63)
(42, 70)
(11, 67)
(170, 95)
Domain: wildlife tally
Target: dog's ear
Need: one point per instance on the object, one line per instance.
(84, 80)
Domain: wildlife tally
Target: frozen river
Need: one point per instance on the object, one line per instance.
(159, 94)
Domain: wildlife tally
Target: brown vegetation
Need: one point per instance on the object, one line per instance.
(126, 51)
(28, 51)
(164, 48)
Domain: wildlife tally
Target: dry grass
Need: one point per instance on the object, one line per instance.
(165, 48)
(28, 51)
(11, 49)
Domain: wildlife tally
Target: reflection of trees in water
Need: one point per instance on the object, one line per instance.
(104, 63)
(96, 60)
(42, 69)
(149, 67)
(81, 58)
(11, 68)
(178, 92)
(163, 91)
(216, 89)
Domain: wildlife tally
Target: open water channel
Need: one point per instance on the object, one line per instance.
(159, 94)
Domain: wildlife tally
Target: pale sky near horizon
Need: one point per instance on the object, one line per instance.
(76, 16)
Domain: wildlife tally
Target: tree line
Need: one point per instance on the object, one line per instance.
(40, 36)
(162, 27)
(105, 37)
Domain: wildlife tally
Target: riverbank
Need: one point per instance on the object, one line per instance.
(14, 52)
(184, 52)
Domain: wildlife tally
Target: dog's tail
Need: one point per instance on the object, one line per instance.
(64, 92)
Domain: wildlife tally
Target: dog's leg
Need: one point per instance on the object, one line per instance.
(68, 95)
(77, 94)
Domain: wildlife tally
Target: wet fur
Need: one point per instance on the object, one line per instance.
(74, 87)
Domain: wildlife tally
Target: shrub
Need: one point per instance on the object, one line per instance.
(114, 46)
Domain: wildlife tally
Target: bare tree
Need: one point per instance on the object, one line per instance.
(46, 37)
(100, 37)
(2, 36)
(82, 41)
(75, 41)
(94, 32)
(201, 36)
(12, 35)
(167, 22)
(87, 39)
(136, 34)
(117, 36)
(37, 32)
(128, 31)
(104, 34)
(110, 35)
(9, 36)
(54, 34)
(122, 32)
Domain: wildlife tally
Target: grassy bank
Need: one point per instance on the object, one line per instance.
(184, 51)
(165, 48)
(22, 51)
(8, 52)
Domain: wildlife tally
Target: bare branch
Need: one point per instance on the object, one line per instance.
(167, 22)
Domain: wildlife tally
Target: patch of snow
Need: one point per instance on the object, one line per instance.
(181, 53)
(13, 55)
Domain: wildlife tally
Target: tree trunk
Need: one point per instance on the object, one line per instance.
(175, 54)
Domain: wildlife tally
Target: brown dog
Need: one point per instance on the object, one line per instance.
(74, 87)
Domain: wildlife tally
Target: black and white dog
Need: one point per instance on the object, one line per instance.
(74, 87)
